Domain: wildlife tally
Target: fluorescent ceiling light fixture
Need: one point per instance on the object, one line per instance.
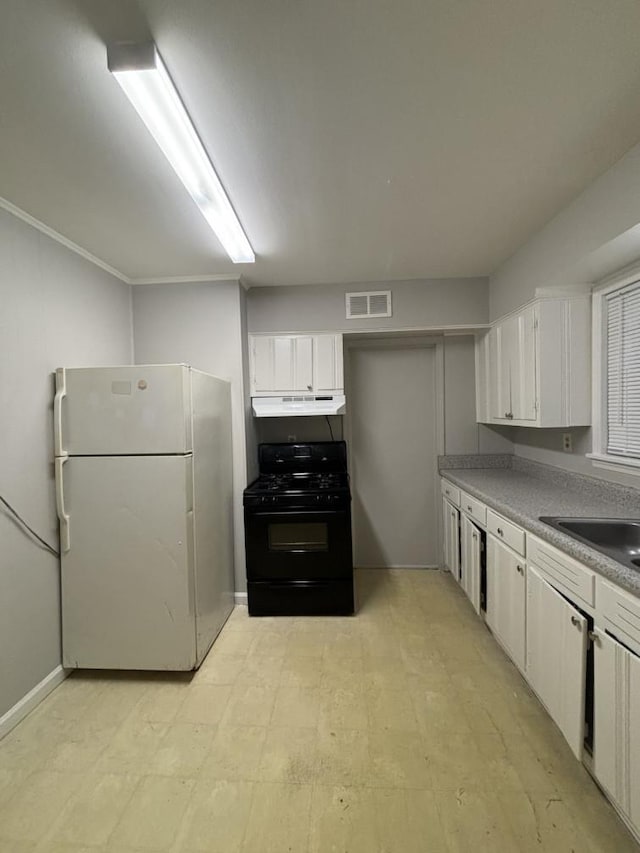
(139, 69)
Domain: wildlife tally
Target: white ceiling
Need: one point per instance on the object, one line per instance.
(359, 140)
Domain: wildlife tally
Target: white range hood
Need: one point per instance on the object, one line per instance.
(293, 406)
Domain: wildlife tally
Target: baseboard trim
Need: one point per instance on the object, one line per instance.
(33, 698)
(241, 598)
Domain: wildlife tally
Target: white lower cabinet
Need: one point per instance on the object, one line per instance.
(471, 557)
(506, 599)
(616, 759)
(557, 657)
(451, 534)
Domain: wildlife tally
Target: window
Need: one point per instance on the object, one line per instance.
(616, 343)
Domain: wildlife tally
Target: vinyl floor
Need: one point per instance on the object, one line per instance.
(404, 729)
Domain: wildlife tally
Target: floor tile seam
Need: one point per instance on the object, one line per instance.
(307, 819)
(190, 811)
(124, 812)
(59, 822)
(47, 835)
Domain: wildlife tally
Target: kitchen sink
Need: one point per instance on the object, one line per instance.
(618, 538)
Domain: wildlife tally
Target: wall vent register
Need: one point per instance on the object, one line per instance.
(372, 303)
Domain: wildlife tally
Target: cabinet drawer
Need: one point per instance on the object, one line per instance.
(563, 572)
(505, 531)
(451, 492)
(473, 508)
(620, 613)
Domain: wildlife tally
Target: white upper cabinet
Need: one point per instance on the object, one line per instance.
(296, 364)
(327, 363)
(533, 368)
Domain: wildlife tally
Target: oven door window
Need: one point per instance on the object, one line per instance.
(298, 536)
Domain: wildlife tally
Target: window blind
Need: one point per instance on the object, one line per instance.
(623, 371)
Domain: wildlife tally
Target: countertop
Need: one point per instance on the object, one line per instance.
(523, 497)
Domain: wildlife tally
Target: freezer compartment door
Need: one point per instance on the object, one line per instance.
(109, 411)
(127, 578)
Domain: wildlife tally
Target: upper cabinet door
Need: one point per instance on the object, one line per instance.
(539, 365)
(524, 366)
(557, 657)
(282, 364)
(499, 374)
(296, 364)
(328, 364)
(303, 363)
(483, 372)
(262, 364)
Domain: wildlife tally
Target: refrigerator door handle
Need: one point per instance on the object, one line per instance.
(65, 535)
(61, 393)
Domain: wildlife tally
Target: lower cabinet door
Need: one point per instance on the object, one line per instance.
(616, 758)
(470, 560)
(506, 601)
(451, 529)
(557, 657)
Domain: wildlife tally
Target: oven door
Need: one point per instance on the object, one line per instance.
(298, 544)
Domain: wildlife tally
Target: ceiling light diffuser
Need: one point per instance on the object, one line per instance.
(139, 69)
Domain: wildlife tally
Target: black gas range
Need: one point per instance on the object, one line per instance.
(298, 531)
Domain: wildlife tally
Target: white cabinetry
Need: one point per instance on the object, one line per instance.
(327, 364)
(513, 367)
(506, 600)
(471, 556)
(537, 365)
(557, 657)
(451, 529)
(484, 343)
(617, 724)
(296, 364)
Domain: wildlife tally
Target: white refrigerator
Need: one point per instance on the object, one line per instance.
(144, 497)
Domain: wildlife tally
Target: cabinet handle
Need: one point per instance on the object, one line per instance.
(469, 509)
(575, 621)
(474, 536)
(309, 387)
(500, 532)
(453, 515)
(595, 638)
(520, 570)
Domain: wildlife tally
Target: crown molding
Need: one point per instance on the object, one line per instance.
(60, 238)
(186, 279)
(83, 253)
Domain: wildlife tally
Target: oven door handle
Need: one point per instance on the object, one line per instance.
(289, 513)
(295, 584)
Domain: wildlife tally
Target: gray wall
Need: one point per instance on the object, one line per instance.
(56, 310)
(432, 303)
(201, 325)
(425, 302)
(582, 242)
(593, 236)
(461, 432)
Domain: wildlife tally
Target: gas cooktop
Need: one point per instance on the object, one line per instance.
(299, 483)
